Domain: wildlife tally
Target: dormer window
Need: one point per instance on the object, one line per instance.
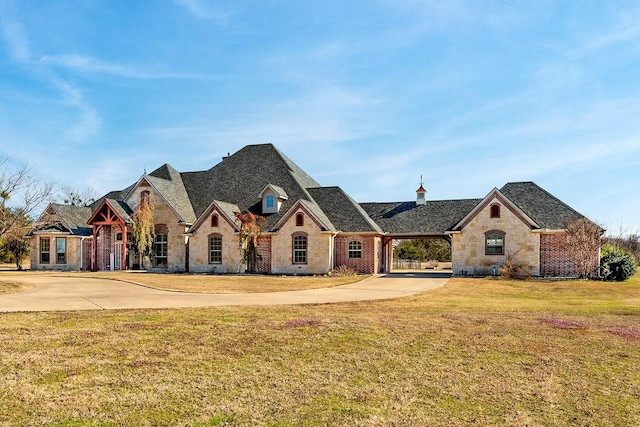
(272, 198)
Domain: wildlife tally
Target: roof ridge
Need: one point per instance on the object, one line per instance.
(539, 188)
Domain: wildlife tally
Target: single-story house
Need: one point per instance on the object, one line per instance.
(308, 228)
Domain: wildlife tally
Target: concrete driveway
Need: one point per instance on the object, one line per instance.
(70, 293)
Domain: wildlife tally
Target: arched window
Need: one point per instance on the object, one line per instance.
(160, 243)
(494, 242)
(299, 249)
(495, 211)
(214, 220)
(215, 249)
(355, 249)
(299, 220)
(144, 195)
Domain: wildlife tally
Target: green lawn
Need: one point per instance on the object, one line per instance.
(476, 352)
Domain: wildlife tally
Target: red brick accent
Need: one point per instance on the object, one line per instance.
(364, 265)
(264, 250)
(556, 260)
(105, 243)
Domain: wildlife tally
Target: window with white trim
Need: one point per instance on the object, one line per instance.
(45, 250)
(160, 244)
(61, 250)
(215, 250)
(355, 249)
(300, 249)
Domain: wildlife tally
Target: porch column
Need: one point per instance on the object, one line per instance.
(123, 265)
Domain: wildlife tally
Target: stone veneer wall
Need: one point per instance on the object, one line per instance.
(318, 248)
(164, 215)
(368, 264)
(72, 256)
(232, 261)
(468, 246)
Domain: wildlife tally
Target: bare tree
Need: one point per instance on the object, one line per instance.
(77, 197)
(582, 242)
(21, 192)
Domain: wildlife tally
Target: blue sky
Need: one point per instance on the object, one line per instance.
(367, 95)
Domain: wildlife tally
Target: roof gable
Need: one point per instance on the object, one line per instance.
(228, 211)
(311, 209)
(167, 182)
(495, 194)
(68, 219)
(278, 191)
(111, 211)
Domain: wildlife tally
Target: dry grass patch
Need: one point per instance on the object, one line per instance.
(12, 287)
(220, 284)
(476, 352)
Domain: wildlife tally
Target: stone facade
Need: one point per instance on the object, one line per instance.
(165, 216)
(308, 228)
(469, 255)
(73, 253)
(318, 256)
(232, 261)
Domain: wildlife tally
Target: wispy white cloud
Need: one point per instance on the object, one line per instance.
(204, 9)
(88, 123)
(87, 64)
(626, 29)
(13, 33)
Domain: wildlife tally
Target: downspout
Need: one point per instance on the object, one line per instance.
(332, 245)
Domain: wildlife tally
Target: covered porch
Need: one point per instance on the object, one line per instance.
(110, 240)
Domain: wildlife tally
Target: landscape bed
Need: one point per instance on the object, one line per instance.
(477, 351)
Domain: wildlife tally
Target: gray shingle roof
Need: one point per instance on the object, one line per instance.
(73, 220)
(407, 218)
(168, 182)
(545, 209)
(239, 178)
(121, 208)
(345, 214)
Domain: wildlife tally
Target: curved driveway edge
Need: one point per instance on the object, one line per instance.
(71, 293)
